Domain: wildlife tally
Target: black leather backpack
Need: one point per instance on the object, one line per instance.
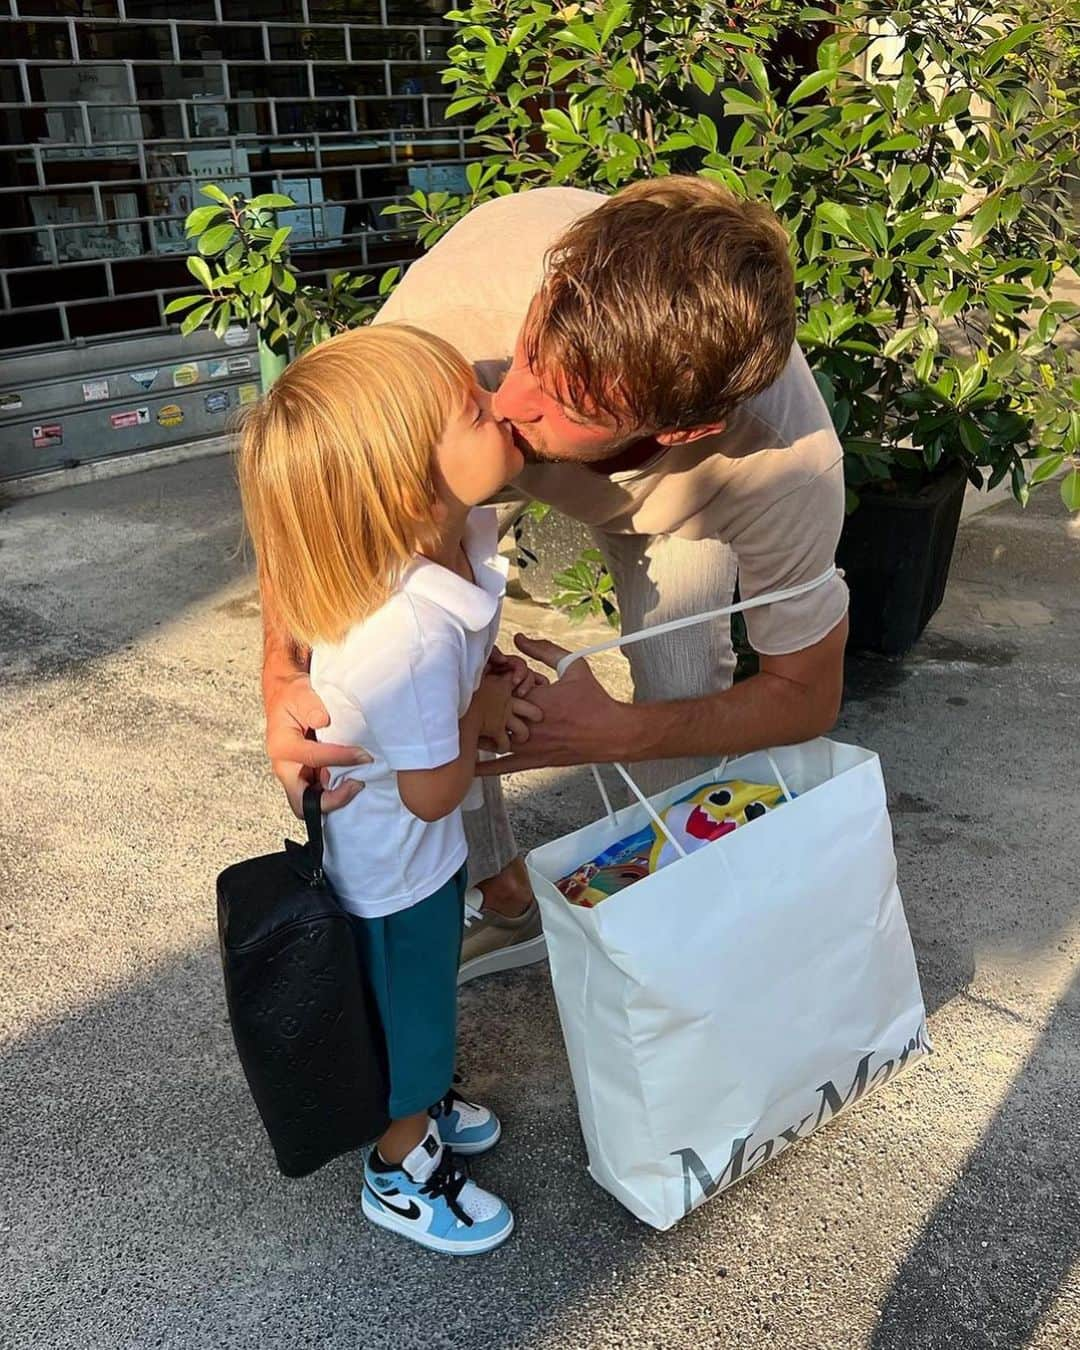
(305, 1024)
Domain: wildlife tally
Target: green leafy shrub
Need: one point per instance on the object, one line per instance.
(242, 262)
(925, 180)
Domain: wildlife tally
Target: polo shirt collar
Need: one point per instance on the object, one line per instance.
(474, 606)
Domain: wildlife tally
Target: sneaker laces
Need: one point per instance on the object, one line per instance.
(446, 1183)
(453, 1101)
(472, 915)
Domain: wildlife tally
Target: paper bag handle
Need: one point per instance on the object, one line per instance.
(756, 602)
(625, 639)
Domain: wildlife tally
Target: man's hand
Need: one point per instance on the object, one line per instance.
(580, 723)
(793, 698)
(293, 712)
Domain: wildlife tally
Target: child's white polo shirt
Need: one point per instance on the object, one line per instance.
(398, 684)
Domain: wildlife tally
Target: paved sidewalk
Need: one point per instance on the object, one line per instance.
(140, 1206)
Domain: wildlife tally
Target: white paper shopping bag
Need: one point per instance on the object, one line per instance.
(727, 1006)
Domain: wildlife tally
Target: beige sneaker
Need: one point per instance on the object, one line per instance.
(494, 942)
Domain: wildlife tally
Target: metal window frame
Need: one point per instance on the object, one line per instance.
(431, 144)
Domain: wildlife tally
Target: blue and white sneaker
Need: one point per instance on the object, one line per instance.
(465, 1127)
(430, 1200)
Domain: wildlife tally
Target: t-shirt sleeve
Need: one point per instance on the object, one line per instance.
(413, 713)
(793, 541)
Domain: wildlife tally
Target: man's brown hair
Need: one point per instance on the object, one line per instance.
(665, 307)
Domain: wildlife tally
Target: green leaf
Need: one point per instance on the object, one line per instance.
(905, 92)
(195, 318)
(581, 35)
(1046, 468)
(1003, 46)
(271, 201)
(811, 84)
(615, 16)
(202, 218)
(561, 69)
(737, 103)
(1070, 490)
(216, 240)
(970, 380)
(183, 302)
(985, 219)
(704, 79)
(974, 442)
(276, 243)
(200, 271)
(706, 134)
(494, 60)
(837, 218)
(215, 193)
(221, 322)
(461, 105)
(875, 223)
(755, 68)
(900, 341)
(904, 142)
(559, 127)
(955, 302)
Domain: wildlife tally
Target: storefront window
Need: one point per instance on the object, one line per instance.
(111, 120)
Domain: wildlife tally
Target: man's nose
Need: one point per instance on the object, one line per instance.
(517, 398)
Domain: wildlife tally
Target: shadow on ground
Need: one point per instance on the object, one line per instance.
(140, 1205)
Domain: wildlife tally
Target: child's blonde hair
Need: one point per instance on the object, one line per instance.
(336, 471)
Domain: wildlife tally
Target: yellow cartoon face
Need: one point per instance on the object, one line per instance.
(711, 812)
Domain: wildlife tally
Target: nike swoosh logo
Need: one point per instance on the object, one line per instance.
(411, 1210)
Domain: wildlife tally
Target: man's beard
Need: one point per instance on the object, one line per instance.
(533, 455)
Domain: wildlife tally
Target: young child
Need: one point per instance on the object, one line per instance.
(361, 472)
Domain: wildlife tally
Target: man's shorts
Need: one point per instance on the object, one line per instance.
(411, 959)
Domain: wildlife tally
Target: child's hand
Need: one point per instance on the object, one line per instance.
(505, 717)
(525, 678)
(495, 696)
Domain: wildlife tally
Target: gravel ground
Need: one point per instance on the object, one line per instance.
(140, 1203)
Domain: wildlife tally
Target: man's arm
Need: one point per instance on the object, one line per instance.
(293, 710)
(793, 698)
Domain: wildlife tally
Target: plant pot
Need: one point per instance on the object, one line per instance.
(895, 550)
(272, 362)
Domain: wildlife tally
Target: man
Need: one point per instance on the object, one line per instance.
(642, 346)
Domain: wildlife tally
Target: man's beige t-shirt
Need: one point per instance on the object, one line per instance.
(771, 485)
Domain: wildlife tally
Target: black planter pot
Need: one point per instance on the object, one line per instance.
(895, 550)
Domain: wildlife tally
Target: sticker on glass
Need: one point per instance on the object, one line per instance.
(47, 434)
(217, 367)
(144, 378)
(130, 417)
(10, 402)
(248, 393)
(95, 390)
(171, 415)
(185, 374)
(217, 402)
